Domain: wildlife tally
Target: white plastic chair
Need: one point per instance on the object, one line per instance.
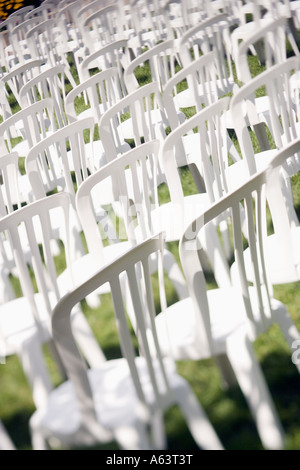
(268, 39)
(227, 320)
(98, 93)
(49, 83)
(25, 128)
(148, 23)
(202, 144)
(18, 76)
(86, 10)
(273, 119)
(194, 86)
(25, 320)
(102, 27)
(44, 41)
(139, 115)
(17, 39)
(60, 161)
(282, 246)
(122, 199)
(115, 54)
(211, 34)
(282, 253)
(45, 11)
(161, 61)
(67, 20)
(119, 400)
(15, 188)
(176, 18)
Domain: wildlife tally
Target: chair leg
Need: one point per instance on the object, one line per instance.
(227, 375)
(158, 431)
(197, 421)
(253, 385)
(133, 438)
(86, 340)
(38, 441)
(33, 363)
(175, 275)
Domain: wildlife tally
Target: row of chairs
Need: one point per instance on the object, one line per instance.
(62, 156)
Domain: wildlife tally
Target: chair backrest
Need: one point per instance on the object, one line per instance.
(53, 163)
(128, 183)
(49, 83)
(210, 34)
(88, 9)
(134, 265)
(206, 150)
(11, 197)
(18, 41)
(115, 54)
(67, 19)
(143, 111)
(103, 27)
(102, 91)
(195, 86)
(175, 13)
(161, 60)
(271, 41)
(20, 75)
(146, 15)
(274, 124)
(20, 15)
(28, 126)
(41, 40)
(247, 201)
(40, 274)
(45, 11)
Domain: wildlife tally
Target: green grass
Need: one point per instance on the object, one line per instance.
(226, 408)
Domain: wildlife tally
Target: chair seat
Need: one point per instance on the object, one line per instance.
(177, 328)
(186, 99)
(17, 322)
(262, 108)
(173, 218)
(87, 265)
(283, 262)
(158, 119)
(114, 397)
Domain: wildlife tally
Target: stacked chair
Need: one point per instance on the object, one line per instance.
(108, 109)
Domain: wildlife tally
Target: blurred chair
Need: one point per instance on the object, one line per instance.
(196, 85)
(17, 39)
(45, 41)
(97, 93)
(211, 34)
(118, 206)
(115, 54)
(123, 398)
(50, 83)
(14, 80)
(138, 117)
(268, 39)
(23, 129)
(159, 61)
(227, 320)
(25, 319)
(265, 124)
